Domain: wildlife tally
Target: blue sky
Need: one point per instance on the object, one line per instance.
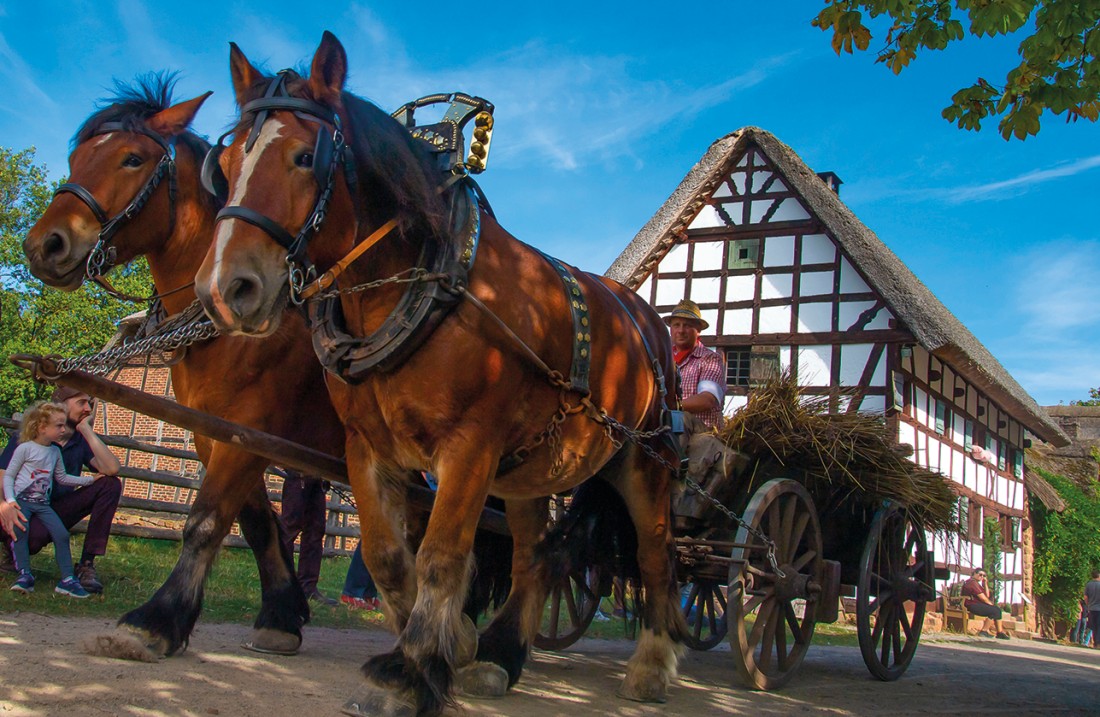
(602, 108)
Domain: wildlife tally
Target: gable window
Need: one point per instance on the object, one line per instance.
(744, 253)
(898, 391)
(968, 435)
(1018, 464)
(738, 366)
(964, 517)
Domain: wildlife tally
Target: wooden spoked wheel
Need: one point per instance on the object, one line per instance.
(895, 583)
(768, 636)
(704, 608)
(569, 610)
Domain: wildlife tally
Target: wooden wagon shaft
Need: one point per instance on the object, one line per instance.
(277, 450)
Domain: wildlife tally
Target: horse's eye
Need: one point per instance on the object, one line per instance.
(304, 160)
(132, 160)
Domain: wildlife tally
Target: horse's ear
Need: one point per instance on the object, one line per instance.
(174, 120)
(243, 73)
(328, 71)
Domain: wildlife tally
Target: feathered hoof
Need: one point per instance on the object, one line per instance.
(126, 643)
(482, 679)
(273, 642)
(466, 650)
(379, 702)
(639, 688)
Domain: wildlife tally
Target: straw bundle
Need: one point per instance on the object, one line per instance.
(847, 454)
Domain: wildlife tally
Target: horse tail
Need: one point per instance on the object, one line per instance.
(595, 532)
(492, 576)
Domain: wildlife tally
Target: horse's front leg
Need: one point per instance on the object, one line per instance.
(416, 677)
(162, 626)
(503, 647)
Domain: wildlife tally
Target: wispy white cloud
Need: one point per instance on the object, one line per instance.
(20, 77)
(897, 188)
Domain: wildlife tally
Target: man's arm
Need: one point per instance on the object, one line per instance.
(700, 403)
(102, 460)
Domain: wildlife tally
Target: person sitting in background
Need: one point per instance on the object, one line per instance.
(304, 513)
(978, 602)
(80, 448)
(28, 481)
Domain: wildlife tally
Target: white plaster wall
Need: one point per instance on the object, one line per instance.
(708, 256)
(645, 287)
(670, 291)
(873, 404)
(818, 249)
(785, 358)
(775, 319)
(790, 210)
(740, 288)
(779, 251)
(850, 280)
(676, 260)
(777, 286)
(815, 318)
(711, 317)
(853, 359)
(816, 283)
(814, 365)
(707, 290)
(738, 321)
(707, 219)
(734, 403)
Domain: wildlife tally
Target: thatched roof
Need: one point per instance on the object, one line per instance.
(1038, 486)
(932, 325)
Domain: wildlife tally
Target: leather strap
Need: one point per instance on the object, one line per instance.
(582, 330)
(273, 228)
(85, 196)
(329, 277)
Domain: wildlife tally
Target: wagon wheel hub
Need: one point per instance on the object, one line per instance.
(793, 584)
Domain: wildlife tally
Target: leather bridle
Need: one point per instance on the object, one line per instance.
(330, 152)
(103, 255)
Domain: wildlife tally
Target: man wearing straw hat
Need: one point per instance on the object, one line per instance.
(702, 371)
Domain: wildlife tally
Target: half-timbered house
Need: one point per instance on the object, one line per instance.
(790, 279)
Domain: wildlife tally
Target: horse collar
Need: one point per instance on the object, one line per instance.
(423, 306)
(102, 257)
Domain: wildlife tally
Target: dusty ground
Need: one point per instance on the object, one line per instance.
(42, 673)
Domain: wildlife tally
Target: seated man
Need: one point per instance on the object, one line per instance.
(80, 448)
(978, 602)
(702, 371)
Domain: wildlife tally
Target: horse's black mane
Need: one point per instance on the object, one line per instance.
(400, 174)
(132, 104)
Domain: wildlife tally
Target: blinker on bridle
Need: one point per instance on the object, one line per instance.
(329, 151)
(103, 254)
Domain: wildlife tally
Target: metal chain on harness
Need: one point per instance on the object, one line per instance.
(409, 276)
(769, 544)
(188, 327)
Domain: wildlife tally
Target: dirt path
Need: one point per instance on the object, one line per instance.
(42, 673)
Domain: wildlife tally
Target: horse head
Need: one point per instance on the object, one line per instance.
(308, 168)
(119, 200)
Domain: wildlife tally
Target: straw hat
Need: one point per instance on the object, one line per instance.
(687, 309)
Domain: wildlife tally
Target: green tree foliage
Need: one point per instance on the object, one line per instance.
(1092, 400)
(34, 318)
(992, 556)
(1058, 70)
(1067, 544)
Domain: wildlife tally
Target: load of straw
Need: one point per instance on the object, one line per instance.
(834, 454)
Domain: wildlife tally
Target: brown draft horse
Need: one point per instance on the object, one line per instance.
(467, 401)
(274, 385)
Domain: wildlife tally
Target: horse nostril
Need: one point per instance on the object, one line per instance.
(55, 245)
(244, 295)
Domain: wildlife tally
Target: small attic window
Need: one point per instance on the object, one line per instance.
(744, 253)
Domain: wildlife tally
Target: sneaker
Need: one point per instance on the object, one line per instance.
(86, 574)
(1003, 636)
(23, 584)
(7, 560)
(319, 597)
(71, 586)
(354, 603)
(600, 616)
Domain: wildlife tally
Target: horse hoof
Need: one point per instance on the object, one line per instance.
(466, 650)
(126, 643)
(482, 679)
(652, 691)
(273, 642)
(376, 702)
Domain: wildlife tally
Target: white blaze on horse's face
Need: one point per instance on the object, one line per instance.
(271, 131)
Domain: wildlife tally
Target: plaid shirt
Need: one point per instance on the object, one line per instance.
(702, 364)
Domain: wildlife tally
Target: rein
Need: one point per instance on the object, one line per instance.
(103, 255)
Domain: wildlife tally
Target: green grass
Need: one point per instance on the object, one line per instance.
(133, 569)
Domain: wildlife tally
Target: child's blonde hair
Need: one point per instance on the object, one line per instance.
(35, 416)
